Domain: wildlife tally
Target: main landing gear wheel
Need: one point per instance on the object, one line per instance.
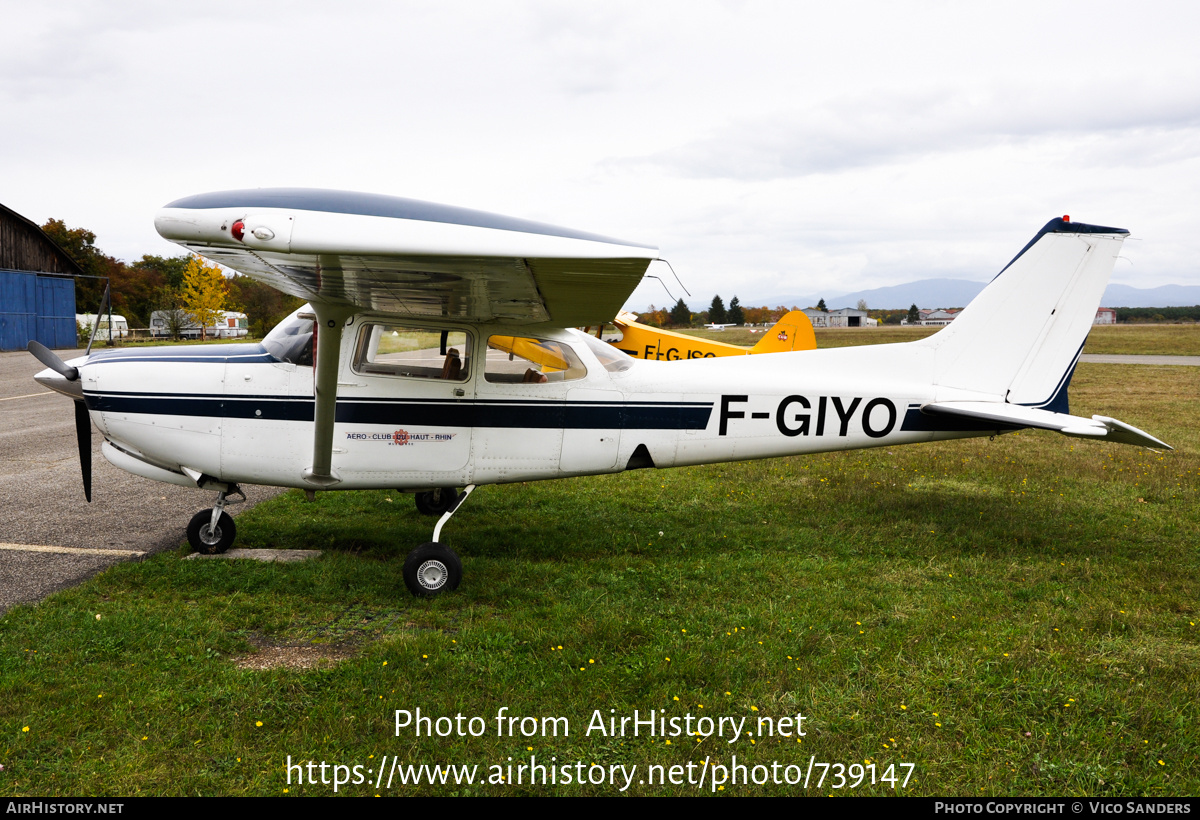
(431, 569)
(206, 540)
(436, 502)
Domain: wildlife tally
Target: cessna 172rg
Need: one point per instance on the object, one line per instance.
(436, 352)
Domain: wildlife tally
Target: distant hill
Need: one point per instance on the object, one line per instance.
(1165, 296)
(947, 293)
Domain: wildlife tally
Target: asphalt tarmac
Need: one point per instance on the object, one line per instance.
(42, 502)
(1115, 358)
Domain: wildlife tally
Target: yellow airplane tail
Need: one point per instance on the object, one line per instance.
(793, 332)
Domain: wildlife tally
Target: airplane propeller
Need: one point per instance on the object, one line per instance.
(83, 436)
(49, 358)
(83, 422)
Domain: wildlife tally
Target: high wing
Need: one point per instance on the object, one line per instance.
(344, 252)
(410, 258)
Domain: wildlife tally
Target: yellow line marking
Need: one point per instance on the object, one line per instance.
(71, 550)
(28, 395)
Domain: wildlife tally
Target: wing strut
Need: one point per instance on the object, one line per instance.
(330, 321)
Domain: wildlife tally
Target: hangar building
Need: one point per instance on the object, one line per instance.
(37, 286)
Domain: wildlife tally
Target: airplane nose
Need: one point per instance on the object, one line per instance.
(56, 382)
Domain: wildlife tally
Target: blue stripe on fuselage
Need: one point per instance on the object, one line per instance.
(425, 413)
(916, 421)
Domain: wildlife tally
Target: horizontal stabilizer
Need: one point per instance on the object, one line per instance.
(1128, 434)
(1012, 416)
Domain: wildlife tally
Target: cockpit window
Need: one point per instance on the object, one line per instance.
(522, 360)
(291, 341)
(416, 353)
(614, 360)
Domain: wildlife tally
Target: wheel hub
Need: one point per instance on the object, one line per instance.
(432, 575)
(210, 536)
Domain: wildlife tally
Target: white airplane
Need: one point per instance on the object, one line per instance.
(437, 352)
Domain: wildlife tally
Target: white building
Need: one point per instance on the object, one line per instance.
(933, 317)
(850, 317)
(819, 318)
(120, 327)
(232, 324)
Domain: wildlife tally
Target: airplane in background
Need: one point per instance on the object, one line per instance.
(793, 332)
(438, 351)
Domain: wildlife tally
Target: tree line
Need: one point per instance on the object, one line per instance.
(1158, 314)
(737, 314)
(163, 283)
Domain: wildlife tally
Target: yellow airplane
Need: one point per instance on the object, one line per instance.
(548, 356)
(793, 332)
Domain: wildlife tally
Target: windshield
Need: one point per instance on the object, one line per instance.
(612, 358)
(291, 340)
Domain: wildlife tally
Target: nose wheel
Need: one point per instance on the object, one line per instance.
(431, 569)
(208, 539)
(211, 532)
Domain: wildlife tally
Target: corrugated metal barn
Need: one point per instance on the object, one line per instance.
(37, 286)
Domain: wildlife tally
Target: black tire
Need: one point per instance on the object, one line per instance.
(436, 502)
(206, 542)
(432, 569)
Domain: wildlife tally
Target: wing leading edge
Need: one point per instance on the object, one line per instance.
(410, 258)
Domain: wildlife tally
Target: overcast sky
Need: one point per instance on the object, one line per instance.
(766, 148)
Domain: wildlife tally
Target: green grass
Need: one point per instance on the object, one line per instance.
(1165, 340)
(1013, 617)
(1170, 340)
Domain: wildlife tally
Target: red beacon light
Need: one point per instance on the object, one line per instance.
(1066, 218)
(238, 229)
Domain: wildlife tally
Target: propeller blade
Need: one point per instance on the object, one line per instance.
(49, 358)
(83, 434)
(103, 307)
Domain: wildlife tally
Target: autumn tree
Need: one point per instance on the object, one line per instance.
(734, 315)
(204, 293)
(135, 288)
(80, 245)
(168, 270)
(264, 306)
(657, 317)
(171, 310)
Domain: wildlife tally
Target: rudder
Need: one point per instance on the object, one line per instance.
(1019, 340)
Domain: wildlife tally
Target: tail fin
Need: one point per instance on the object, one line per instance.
(793, 332)
(1020, 339)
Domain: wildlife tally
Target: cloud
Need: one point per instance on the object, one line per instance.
(879, 128)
